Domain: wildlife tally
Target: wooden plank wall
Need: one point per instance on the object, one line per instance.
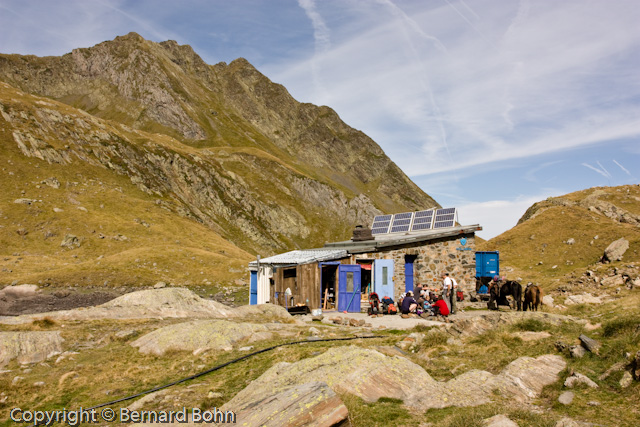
(306, 285)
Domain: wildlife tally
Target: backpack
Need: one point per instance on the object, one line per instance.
(460, 296)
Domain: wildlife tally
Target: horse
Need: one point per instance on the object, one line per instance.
(498, 294)
(532, 297)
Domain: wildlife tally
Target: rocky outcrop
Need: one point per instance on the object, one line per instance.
(307, 404)
(29, 347)
(166, 302)
(196, 336)
(371, 375)
(262, 158)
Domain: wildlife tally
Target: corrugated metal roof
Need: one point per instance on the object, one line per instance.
(302, 257)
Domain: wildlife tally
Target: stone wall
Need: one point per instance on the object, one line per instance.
(433, 258)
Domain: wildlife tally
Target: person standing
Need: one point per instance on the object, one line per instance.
(447, 287)
(454, 295)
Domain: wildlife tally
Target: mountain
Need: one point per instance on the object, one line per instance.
(136, 132)
(557, 239)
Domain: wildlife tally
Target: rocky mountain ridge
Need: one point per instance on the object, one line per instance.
(220, 144)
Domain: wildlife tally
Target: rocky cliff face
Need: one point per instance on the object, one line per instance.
(220, 144)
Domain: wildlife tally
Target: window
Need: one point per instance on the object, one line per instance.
(385, 276)
(350, 282)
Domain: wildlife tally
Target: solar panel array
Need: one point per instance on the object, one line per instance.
(420, 221)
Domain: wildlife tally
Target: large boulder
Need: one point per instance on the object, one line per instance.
(615, 250)
(29, 347)
(197, 335)
(18, 291)
(308, 404)
(264, 312)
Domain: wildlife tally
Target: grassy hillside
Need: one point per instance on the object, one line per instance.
(540, 249)
(125, 236)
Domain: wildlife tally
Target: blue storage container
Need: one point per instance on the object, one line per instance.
(487, 264)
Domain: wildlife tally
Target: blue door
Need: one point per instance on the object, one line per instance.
(253, 286)
(408, 272)
(383, 278)
(349, 288)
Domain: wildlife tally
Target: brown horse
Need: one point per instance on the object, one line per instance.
(532, 297)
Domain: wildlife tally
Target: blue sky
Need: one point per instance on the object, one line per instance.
(488, 105)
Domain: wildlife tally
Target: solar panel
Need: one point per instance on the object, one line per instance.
(414, 221)
(445, 211)
(448, 217)
(381, 224)
(420, 227)
(401, 222)
(422, 220)
(443, 224)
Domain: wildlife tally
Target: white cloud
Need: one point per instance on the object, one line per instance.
(622, 167)
(496, 216)
(602, 171)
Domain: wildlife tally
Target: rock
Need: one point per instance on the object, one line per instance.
(197, 335)
(29, 347)
(585, 298)
(571, 241)
(264, 313)
(617, 280)
(499, 421)
(18, 291)
(147, 399)
(593, 403)
(353, 322)
(615, 250)
(16, 380)
(317, 318)
(590, 344)
(547, 300)
(626, 380)
(308, 404)
(24, 201)
(126, 334)
(590, 327)
(616, 367)
(51, 182)
(247, 348)
(577, 379)
(370, 375)
(70, 242)
(532, 336)
(39, 384)
(214, 395)
(58, 210)
(560, 346)
(314, 331)
(159, 285)
(569, 422)
(566, 398)
(577, 351)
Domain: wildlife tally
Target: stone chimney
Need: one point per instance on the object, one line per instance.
(361, 234)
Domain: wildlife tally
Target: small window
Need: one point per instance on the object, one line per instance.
(350, 282)
(385, 275)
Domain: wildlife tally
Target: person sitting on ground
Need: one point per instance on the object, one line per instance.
(440, 307)
(409, 305)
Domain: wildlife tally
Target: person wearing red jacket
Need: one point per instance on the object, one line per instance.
(443, 309)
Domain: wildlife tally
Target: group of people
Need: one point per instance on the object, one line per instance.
(427, 301)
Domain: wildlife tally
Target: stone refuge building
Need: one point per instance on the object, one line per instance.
(341, 275)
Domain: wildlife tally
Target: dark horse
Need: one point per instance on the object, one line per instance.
(532, 296)
(498, 294)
